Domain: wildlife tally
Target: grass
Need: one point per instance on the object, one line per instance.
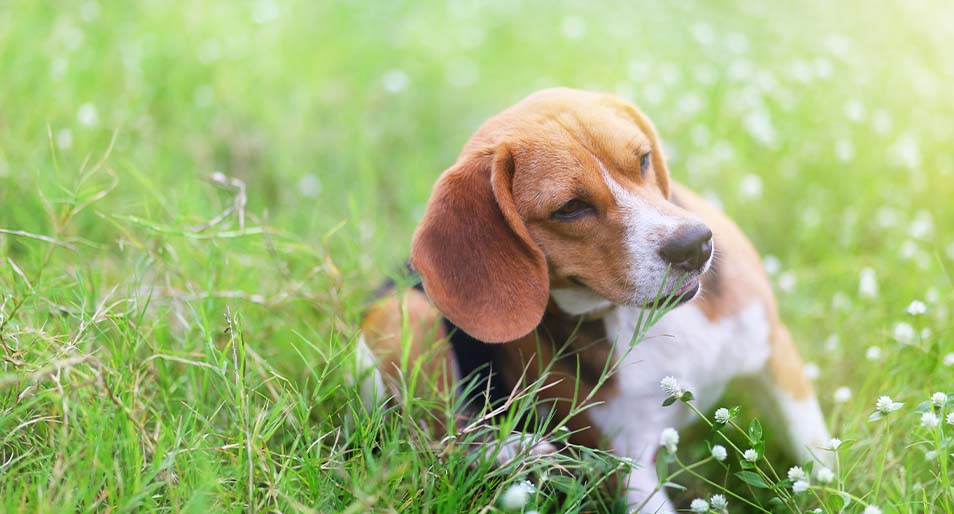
(174, 342)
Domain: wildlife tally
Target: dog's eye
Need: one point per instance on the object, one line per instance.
(572, 210)
(644, 163)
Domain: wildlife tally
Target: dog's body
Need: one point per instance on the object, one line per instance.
(556, 228)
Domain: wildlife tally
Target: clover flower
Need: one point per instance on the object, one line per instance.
(671, 386)
(842, 394)
(796, 473)
(929, 420)
(873, 353)
(868, 284)
(719, 453)
(903, 332)
(670, 439)
(750, 455)
(800, 486)
(938, 399)
(885, 404)
(516, 496)
(824, 475)
(950, 418)
(916, 308)
(699, 505)
(871, 509)
(834, 443)
(719, 502)
(949, 359)
(722, 415)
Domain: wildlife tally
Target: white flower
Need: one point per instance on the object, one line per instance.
(800, 486)
(786, 281)
(832, 343)
(950, 418)
(906, 152)
(824, 475)
(929, 420)
(750, 186)
(812, 371)
(885, 404)
(573, 27)
(516, 496)
(873, 353)
(938, 399)
(395, 81)
(949, 359)
(699, 505)
(796, 473)
(903, 332)
(771, 264)
(719, 453)
(750, 455)
(834, 443)
(916, 308)
(842, 394)
(922, 226)
(844, 150)
(722, 415)
(64, 139)
(87, 115)
(670, 439)
(871, 509)
(868, 284)
(855, 110)
(671, 386)
(881, 122)
(719, 502)
(930, 455)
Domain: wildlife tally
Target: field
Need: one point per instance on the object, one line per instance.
(197, 198)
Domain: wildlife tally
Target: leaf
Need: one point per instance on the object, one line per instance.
(875, 416)
(669, 401)
(755, 430)
(662, 464)
(673, 485)
(836, 502)
(752, 479)
(687, 396)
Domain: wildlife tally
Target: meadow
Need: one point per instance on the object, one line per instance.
(197, 198)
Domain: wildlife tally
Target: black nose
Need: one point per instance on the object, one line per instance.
(689, 248)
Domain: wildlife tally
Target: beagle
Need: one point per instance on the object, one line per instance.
(559, 225)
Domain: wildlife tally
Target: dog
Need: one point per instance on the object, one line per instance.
(559, 225)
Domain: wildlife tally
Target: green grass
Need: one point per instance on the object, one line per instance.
(146, 365)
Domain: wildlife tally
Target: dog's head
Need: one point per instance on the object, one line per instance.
(568, 192)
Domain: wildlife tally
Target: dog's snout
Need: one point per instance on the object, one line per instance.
(689, 248)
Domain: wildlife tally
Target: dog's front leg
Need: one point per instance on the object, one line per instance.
(643, 493)
(787, 394)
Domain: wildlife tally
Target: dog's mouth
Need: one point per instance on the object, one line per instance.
(684, 294)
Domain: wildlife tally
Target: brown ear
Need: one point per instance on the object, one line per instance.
(474, 254)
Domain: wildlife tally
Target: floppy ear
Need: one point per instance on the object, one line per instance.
(475, 255)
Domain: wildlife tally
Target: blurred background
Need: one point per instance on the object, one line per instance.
(825, 129)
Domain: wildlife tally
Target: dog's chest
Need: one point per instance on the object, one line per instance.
(704, 355)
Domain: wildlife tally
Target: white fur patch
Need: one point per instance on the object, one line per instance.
(371, 387)
(703, 354)
(648, 229)
(578, 300)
